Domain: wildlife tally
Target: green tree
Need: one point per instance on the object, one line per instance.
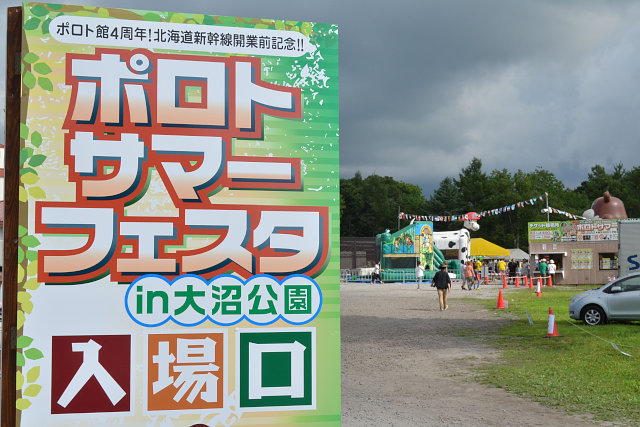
(371, 205)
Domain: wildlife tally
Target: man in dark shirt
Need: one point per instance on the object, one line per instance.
(513, 267)
(442, 282)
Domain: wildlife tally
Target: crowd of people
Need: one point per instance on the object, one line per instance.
(477, 271)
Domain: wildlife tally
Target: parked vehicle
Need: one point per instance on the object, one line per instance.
(617, 300)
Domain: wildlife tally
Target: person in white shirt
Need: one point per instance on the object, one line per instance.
(552, 270)
(419, 273)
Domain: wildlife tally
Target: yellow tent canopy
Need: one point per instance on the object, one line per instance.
(482, 247)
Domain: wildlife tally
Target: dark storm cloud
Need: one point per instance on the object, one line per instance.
(425, 86)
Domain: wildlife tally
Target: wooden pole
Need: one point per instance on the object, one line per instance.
(11, 204)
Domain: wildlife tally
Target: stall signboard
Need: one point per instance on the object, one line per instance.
(573, 231)
(178, 256)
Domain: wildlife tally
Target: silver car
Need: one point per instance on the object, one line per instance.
(617, 300)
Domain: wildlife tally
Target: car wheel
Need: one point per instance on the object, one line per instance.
(593, 315)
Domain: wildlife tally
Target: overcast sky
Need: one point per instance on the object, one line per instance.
(427, 85)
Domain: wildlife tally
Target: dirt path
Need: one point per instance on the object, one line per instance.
(406, 363)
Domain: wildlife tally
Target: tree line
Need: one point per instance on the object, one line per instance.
(370, 205)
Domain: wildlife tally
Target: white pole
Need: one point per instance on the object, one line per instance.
(546, 197)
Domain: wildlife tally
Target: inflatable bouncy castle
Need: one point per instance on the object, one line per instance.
(401, 251)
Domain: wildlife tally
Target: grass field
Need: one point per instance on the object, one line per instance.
(580, 370)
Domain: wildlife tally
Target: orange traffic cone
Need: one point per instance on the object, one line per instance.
(517, 281)
(538, 288)
(549, 282)
(504, 282)
(526, 281)
(552, 331)
(500, 302)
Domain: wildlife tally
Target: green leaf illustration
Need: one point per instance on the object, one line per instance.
(152, 17)
(31, 24)
(32, 390)
(32, 268)
(306, 28)
(45, 26)
(22, 230)
(103, 13)
(39, 10)
(29, 79)
(30, 58)
(41, 68)
(32, 255)
(23, 404)
(178, 18)
(25, 171)
(26, 152)
(37, 160)
(19, 324)
(33, 374)
(45, 83)
(208, 20)
(198, 18)
(24, 131)
(27, 307)
(20, 272)
(23, 296)
(33, 354)
(30, 241)
(54, 6)
(23, 341)
(20, 254)
(227, 20)
(37, 193)
(32, 284)
(19, 380)
(19, 359)
(23, 197)
(29, 178)
(36, 138)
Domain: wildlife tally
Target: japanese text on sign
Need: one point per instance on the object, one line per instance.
(151, 300)
(166, 35)
(133, 112)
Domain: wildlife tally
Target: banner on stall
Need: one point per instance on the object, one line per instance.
(573, 231)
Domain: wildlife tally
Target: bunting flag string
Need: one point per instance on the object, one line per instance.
(490, 212)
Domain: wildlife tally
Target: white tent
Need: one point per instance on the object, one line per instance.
(518, 254)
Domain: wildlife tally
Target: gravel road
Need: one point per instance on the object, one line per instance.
(406, 363)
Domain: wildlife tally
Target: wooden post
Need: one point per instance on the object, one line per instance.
(11, 204)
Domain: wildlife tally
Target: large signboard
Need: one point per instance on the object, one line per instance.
(573, 231)
(179, 220)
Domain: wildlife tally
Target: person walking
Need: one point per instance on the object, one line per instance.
(442, 282)
(376, 274)
(419, 273)
(469, 276)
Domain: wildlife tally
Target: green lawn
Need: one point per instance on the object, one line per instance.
(580, 370)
